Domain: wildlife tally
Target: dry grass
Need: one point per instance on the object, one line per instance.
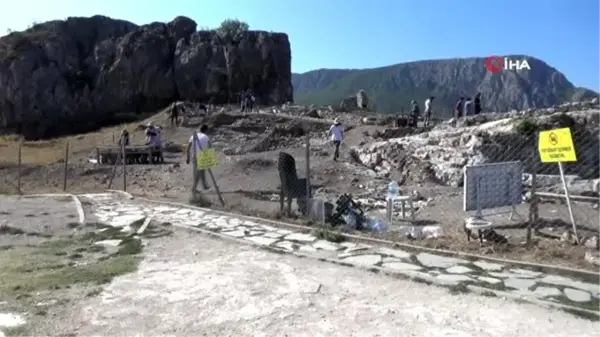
(53, 150)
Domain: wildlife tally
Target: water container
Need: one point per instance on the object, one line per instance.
(351, 220)
(379, 226)
(376, 225)
(393, 189)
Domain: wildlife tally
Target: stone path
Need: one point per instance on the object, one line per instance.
(448, 271)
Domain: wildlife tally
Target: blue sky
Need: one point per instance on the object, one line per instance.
(366, 34)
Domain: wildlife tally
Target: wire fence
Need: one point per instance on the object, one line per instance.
(428, 166)
(28, 169)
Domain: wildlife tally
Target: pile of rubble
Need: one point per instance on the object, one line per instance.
(442, 152)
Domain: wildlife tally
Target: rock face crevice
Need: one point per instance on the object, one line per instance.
(75, 75)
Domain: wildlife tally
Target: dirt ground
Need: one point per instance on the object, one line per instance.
(192, 285)
(247, 176)
(48, 261)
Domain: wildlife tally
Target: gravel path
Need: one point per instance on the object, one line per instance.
(192, 285)
(553, 289)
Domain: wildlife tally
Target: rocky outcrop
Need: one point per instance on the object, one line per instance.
(362, 100)
(358, 101)
(75, 75)
(442, 153)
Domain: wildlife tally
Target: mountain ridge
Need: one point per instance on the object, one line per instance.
(392, 87)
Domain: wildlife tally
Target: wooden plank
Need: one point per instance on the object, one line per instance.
(573, 197)
(127, 150)
(129, 146)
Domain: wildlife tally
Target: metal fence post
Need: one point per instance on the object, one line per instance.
(124, 159)
(307, 170)
(533, 208)
(19, 162)
(66, 166)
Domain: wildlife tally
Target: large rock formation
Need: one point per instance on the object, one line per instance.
(442, 153)
(358, 101)
(74, 75)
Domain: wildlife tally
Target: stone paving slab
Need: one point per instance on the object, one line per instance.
(426, 266)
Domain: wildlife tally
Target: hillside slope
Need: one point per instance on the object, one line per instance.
(392, 88)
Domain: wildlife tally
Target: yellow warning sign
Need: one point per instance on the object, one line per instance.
(206, 159)
(556, 146)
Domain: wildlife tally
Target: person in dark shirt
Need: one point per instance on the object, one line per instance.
(174, 115)
(124, 138)
(249, 101)
(415, 112)
(458, 108)
(478, 103)
(243, 100)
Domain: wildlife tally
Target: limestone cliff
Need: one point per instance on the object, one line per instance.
(75, 75)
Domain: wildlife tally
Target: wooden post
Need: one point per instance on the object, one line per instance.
(308, 169)
(533, 208)
(567, 197)
(194, 166)
(66, 166)
(19, 161)
(214, 182)
(124, 161)
(114, 170)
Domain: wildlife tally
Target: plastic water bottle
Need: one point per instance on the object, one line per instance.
(376, 225)
(379, 226)
(393, 189)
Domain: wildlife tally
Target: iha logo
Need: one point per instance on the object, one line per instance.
(496, 64)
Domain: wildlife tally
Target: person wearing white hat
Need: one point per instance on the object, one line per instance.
(337, 135)
(150, 133)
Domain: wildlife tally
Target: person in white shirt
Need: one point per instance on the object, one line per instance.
(468, 109)
(150, 133)
(337, 135)
(428, 110)
(157, 136)
(198, 141)
(156, 142)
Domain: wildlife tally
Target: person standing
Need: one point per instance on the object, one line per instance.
(428, 110)
(249, 101)
(458, 108)
(124, 138)
(174, 115)
(157, 154)
(415, 112)
(150, 133)
(242, 100)
(478, 103)
(468, 110)
(337, 135)
(199, 141)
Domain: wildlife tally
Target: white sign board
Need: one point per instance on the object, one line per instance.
(492, 186)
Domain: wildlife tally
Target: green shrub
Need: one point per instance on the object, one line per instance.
(232, 30)
(527, 127)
